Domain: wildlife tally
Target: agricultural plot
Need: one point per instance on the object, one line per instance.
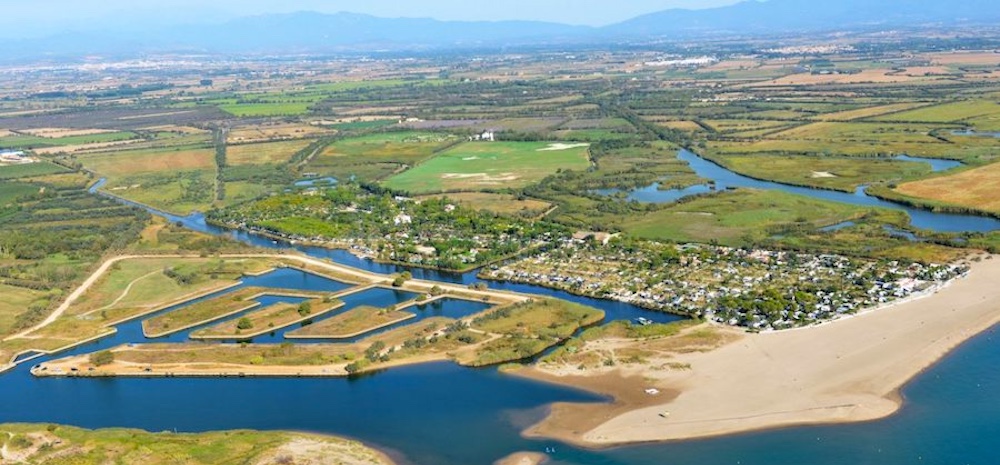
(88, 137)
(11, 191)
(272, 132)
(378, 156)
(490, 165)
(30, 170)
(955, 112)
(124, 163)
(264, 153)
(975, 188)
(868, 112)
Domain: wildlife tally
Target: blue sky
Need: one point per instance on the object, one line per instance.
(22, 17)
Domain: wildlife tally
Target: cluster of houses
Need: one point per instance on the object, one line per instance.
(755, 289)
(400, 230)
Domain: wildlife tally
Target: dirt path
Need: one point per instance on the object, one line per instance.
(124, 293)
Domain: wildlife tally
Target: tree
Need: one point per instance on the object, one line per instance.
(436, 290)
(244, 323)
(305, 308)
(104, 357)
(398, 282)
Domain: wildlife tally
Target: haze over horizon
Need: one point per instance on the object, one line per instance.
(24, 20)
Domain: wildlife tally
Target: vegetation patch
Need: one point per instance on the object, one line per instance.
(490, 165)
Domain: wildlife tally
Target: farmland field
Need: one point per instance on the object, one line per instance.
(947, 113)
(975, 188)
(122, 163)
(263, 153)
(478, 166)
(377, 156)
(30, 170)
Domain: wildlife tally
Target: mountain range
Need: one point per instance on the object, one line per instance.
(308, 32)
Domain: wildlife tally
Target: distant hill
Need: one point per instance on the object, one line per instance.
(318, 33)
(777, 16)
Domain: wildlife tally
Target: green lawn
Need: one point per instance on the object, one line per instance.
(839, 173)
(733, 217)
(477, 166)
(30, 170)
(29, 142)
(11, 191)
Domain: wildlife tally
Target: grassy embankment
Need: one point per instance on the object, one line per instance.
(354, 322)
(51, 444)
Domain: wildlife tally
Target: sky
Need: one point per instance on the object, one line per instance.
(45, 17)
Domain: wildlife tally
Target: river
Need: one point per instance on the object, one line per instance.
(441, 414)
(725, 179)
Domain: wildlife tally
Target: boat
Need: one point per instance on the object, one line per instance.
(644, 321)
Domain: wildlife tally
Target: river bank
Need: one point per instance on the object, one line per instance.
(849, 370)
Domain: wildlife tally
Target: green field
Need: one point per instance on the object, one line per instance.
(30, 170)
(16, 301)
(31, 142)
(356, 321)
(11, 191)
(838, 173)
(489, 165)
(947, 113)
(734, 218)
(375, 157)
(52, 444)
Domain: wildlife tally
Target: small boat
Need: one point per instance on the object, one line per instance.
(644, 321)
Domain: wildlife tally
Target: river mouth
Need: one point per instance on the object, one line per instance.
(442, 414)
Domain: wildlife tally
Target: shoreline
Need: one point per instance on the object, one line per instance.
(847, 370)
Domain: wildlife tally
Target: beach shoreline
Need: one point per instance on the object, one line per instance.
(844, 371)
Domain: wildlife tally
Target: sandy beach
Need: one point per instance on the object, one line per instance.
(844, 371)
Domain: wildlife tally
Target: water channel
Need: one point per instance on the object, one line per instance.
(441, 414)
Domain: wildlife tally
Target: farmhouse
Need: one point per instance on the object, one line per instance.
(12, 157)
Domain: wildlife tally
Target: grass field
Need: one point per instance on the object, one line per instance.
(975, 188)
(529, 329)
(377, 156)
(867, 112)
(52, 444)
(141, 283)
(352, 322)
(503, 204)
(489, 165)
(201, 312)
(178, 192)
(732, 218)
(124, 163)
(30, 142)
(947, 113)
(11, 191)
(263, 153)
(838, 173)
(30, 170)
(266, 319)
(16, 301)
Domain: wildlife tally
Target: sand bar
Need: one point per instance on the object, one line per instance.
(845, 371)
